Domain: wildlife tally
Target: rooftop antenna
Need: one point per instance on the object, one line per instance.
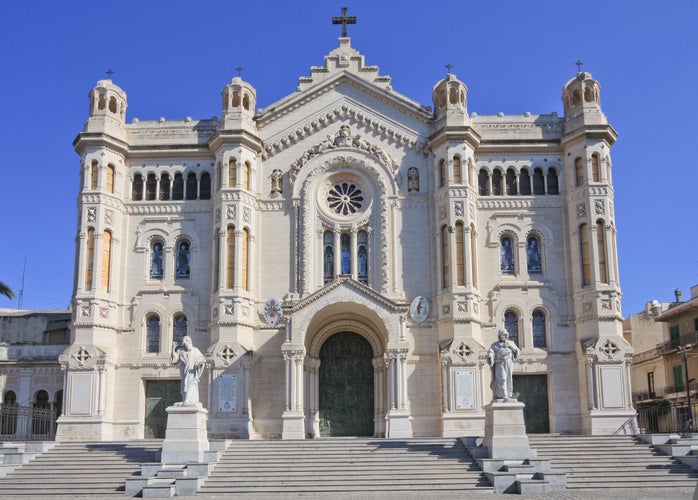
(21, 288)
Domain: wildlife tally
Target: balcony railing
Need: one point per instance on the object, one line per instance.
(671, 345)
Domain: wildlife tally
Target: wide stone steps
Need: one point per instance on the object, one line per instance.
(80, 469)
(345, 465)
(611, 462)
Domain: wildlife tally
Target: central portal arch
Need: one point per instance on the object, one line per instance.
(346, 386)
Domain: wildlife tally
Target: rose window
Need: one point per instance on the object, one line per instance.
(345, 198)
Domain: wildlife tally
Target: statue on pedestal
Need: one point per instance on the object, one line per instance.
(191, 365)
(501, 356)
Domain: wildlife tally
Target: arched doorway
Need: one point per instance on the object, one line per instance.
(346, 386)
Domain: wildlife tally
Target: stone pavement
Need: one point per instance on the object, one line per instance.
(615, 494)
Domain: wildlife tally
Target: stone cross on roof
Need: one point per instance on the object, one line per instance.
(344, 20)
(579, 64)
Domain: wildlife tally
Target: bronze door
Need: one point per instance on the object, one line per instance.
(533, 392)
(346, 386)
(159, 394)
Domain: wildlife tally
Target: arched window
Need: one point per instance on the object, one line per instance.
(524, 182)
(102, 102)
(552, 182)
(579, 171)
(94, 174)
(165, 186)
(232, 173)
(362, 257)
(345, 254)
(110, 178)
(246, 101)
(151, 184)
(183, 259)
(584, 254)
(106, 260)
(595, 168)
(506, 254)
(601, 247)
(245, 259)
(230, 258)
(8, 415)
(483, 183)
(538, 182)
(179, 328)
(511, 183)
(178, 187)
(205, 189)
(236, 98)
(112, 104)
(137, 188)
(497, 183)
(152, 337)
(41, 421)
(533, 258)
(457, 169)
(328, 256)
(442, 173)
(246, 174)
(511, 324)
(460, 256)
(446, 262)
(539, 334)
(192, 187)
(89, 258)
(157, 258)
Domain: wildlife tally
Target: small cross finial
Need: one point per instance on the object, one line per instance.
(109, 73)
(344, 20)
(449, 66)
(239, 70)
(579, 64)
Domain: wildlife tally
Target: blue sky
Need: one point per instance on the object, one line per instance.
(173, 58)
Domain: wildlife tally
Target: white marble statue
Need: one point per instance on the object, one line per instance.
(191, 365)
(501, 356)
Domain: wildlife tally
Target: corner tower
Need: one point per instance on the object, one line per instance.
(604, 356)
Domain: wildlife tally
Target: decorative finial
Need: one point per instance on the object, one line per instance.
(344, 20)
(239, 70)
(579, 64)
(109, 73)
(448, 67)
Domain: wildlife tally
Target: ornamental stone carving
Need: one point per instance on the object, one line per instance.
(342, 139)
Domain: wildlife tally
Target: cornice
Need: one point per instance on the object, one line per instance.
(191, 206)
(296, 101)
(543, 201)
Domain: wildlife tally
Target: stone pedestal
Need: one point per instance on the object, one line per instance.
(505, 431)
(293, 425)
(398, 424)
(186, 438)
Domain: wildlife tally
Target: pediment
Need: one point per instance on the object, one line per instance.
(387, 116)
(348, 290)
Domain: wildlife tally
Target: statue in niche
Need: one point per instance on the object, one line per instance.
(501, 356)
(413, 180)
(276, 181)
(191, 365)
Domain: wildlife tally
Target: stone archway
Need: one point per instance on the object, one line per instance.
(346, 386)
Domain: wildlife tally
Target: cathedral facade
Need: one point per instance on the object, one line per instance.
(344, 258)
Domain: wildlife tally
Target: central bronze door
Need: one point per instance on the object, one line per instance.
(159, 394)
(533, 392)
(346, 386)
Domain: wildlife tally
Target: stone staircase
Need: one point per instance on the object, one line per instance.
(337, 465)
(80, 469)
(611, 462)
